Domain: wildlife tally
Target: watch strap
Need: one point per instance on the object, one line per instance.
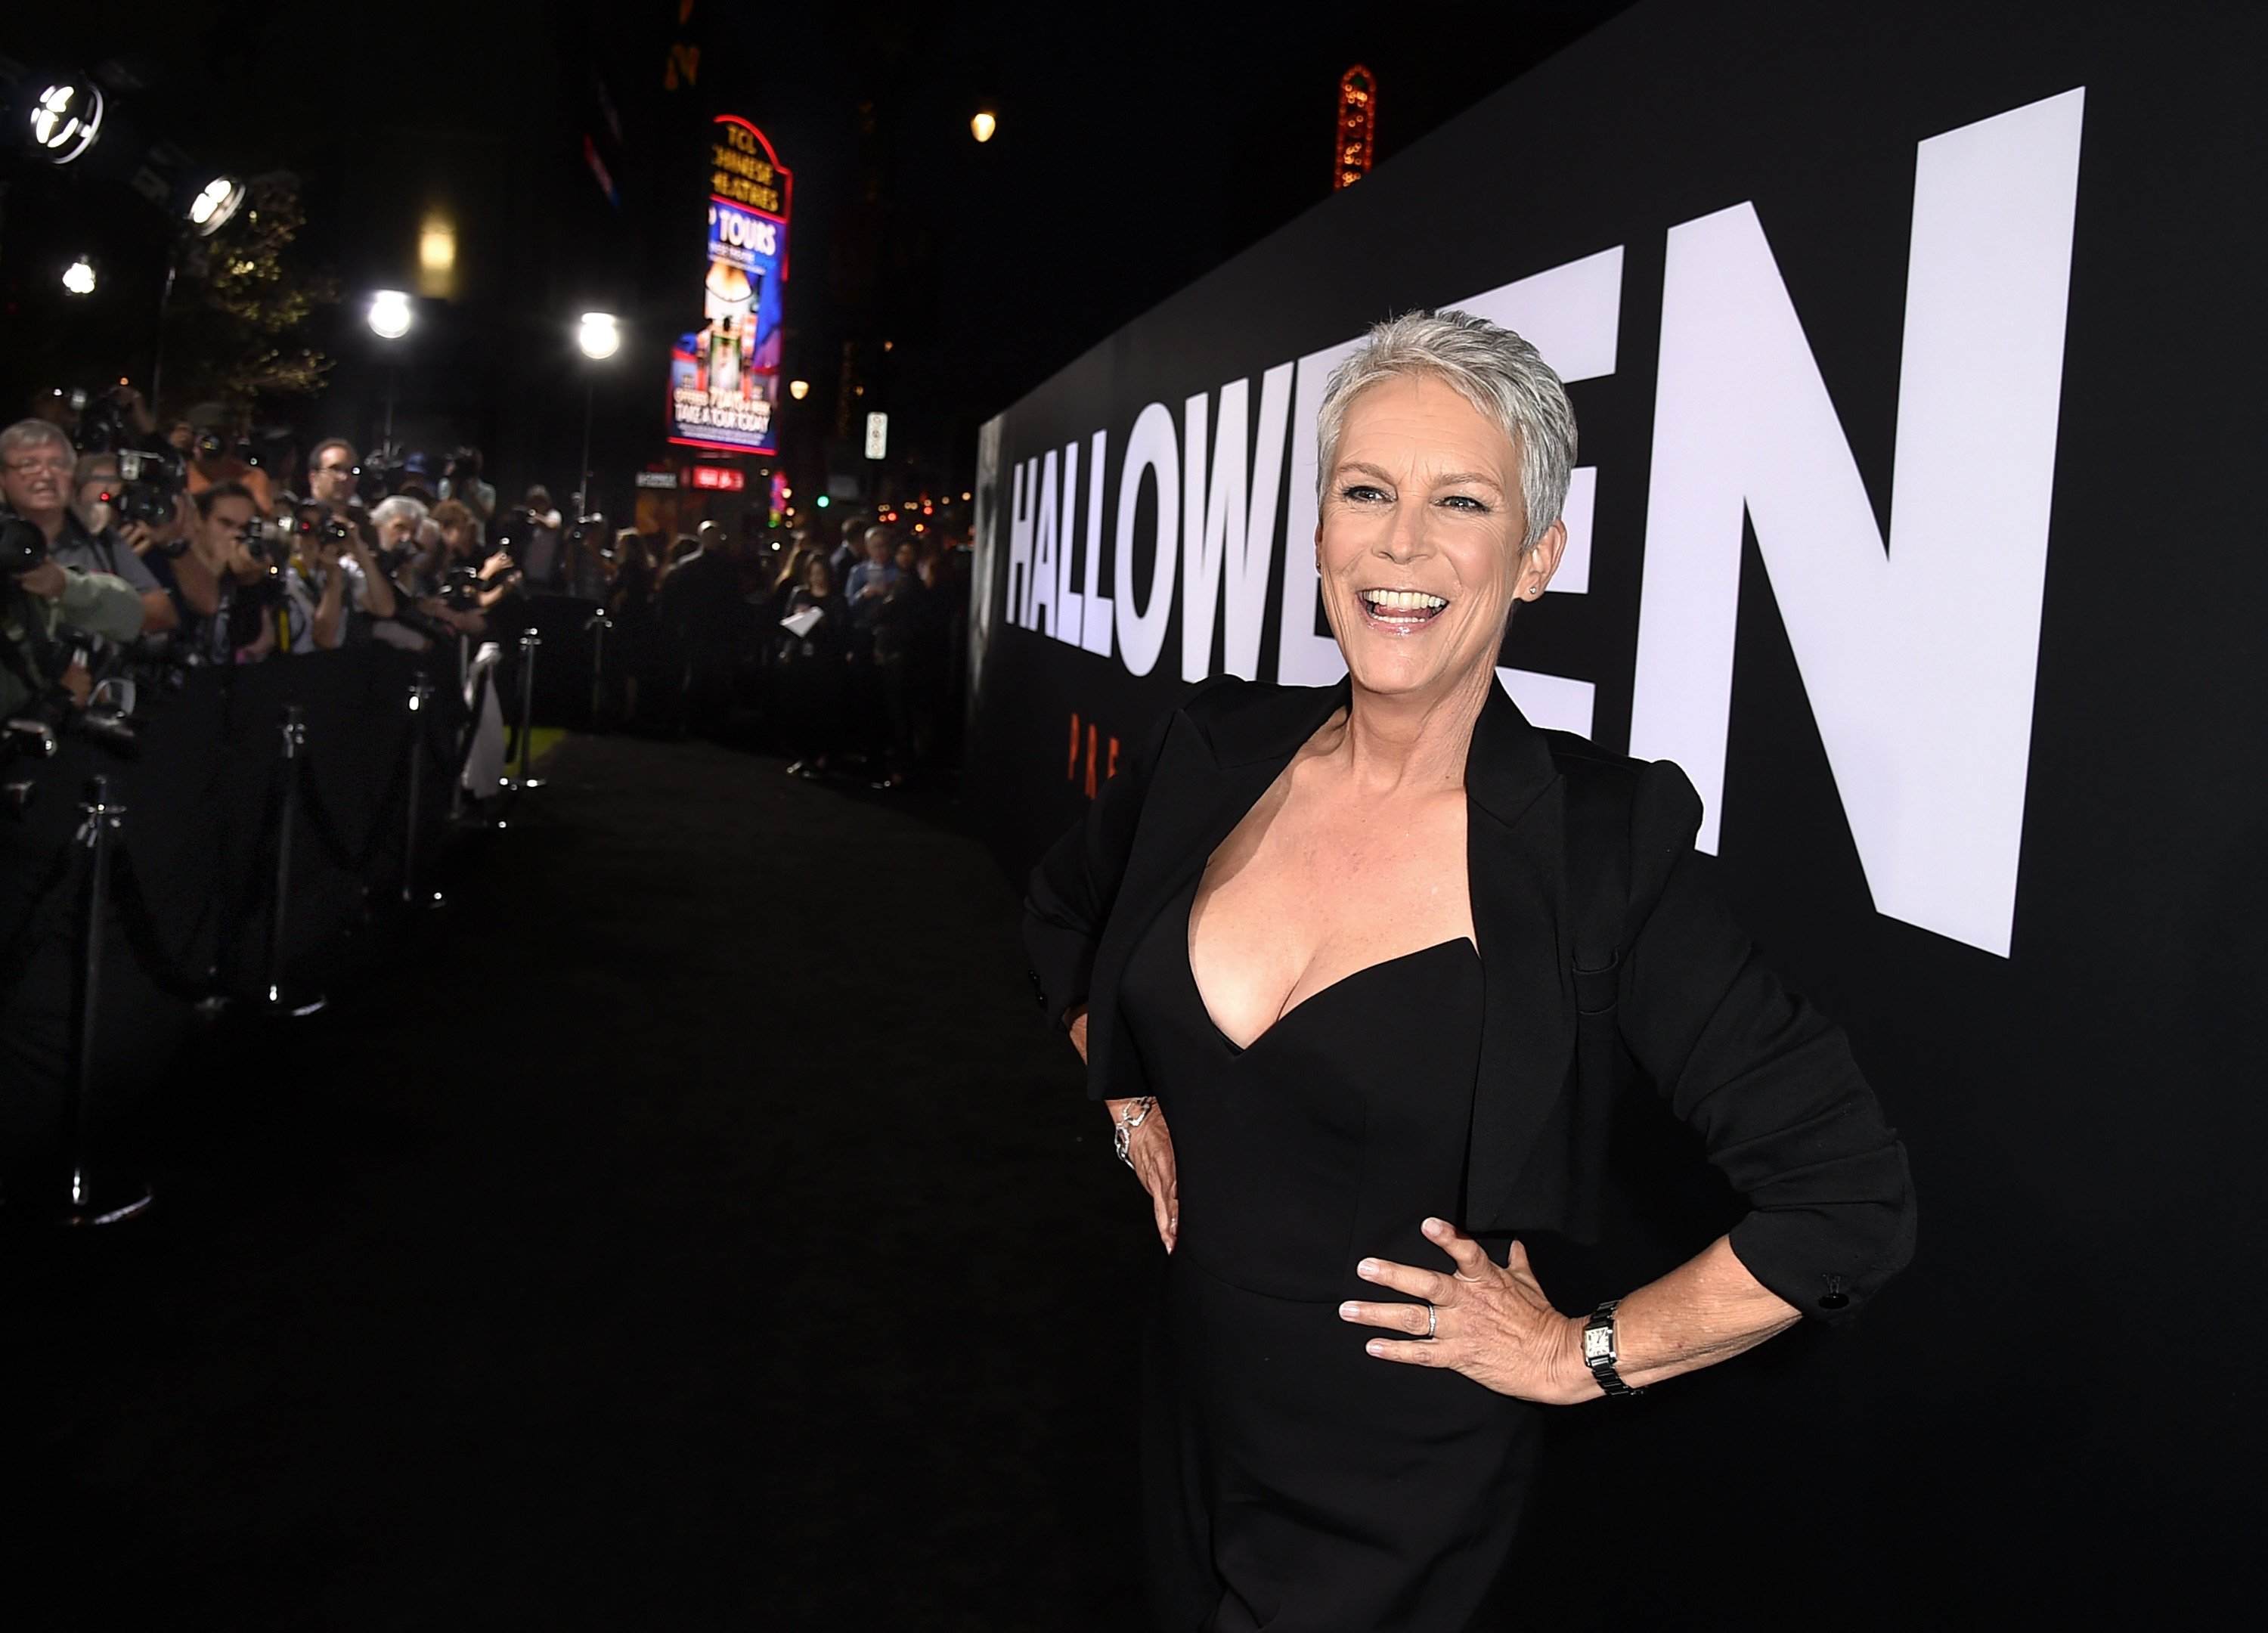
(1600, 1353)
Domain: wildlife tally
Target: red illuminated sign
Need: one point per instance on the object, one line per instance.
(719, 478)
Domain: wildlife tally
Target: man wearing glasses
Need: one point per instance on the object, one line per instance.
(40, 605)
(332, 580)
(95, 541)
(40, 480)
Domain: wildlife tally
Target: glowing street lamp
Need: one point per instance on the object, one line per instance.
(78, 277)
(983, 125)
(601, 335)
(389, 314)
(798, 389)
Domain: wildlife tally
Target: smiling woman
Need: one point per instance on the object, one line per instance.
(1328, 954)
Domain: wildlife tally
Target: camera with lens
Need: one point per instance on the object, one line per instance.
(460, 587)
(313, 527)
(378, 475)
(265, 540)
(149, 486)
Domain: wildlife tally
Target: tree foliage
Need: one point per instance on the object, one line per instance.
(240, 312)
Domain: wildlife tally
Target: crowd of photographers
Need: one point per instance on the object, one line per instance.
(117, 544)
(126, 538)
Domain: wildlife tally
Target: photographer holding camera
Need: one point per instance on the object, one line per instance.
(334, 568)
(213, 460)
(50, 612)
(461, 481)
(39, 472)
(115, 528)
(229, 580)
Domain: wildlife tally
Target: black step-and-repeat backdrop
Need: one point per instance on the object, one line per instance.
(1918, 351)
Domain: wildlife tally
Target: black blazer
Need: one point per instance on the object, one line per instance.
(1766, 1080)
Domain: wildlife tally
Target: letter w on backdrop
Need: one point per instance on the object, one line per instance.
(1918, 660)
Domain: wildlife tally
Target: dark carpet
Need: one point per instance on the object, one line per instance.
(689, 1226)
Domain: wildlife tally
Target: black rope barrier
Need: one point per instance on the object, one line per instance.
(146, 940)
(23, 943)
(355, 858)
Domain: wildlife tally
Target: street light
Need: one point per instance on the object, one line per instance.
(66, 118)
(389, 314)
(389, 320)
(78, 277)
(983, 125)
(798, 389)
(600, 337)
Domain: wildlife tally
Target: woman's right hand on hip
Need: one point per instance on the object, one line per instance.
(1150, 1149)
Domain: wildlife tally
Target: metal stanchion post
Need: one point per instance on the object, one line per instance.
(295, 739)
(598, 625)
(529, 641)
(472, 724)
(421, 693)
(87, 1205)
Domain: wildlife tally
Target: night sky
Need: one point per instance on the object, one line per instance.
(1137, 147)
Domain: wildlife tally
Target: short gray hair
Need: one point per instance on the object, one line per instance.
(398, 504)
(31, 434)
(1500, 374)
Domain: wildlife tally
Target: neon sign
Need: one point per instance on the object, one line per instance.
(724, 378)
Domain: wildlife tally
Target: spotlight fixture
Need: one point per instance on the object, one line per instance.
(798, 389)
(983, 125)
(215, 203)
(601, 335)
(78, 277)
(66, 118)
(389, 314)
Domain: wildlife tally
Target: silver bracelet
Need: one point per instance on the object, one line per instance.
(1137, 1114)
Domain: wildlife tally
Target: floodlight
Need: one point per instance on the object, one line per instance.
(78, 277)
(601, 335)
(389, 314)
(66, 118)
(215, 204)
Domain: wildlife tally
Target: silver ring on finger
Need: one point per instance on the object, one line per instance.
(1432, 1323)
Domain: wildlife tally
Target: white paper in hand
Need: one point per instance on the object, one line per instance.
(802, 623)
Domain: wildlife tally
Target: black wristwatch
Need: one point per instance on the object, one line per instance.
(1599, 1351)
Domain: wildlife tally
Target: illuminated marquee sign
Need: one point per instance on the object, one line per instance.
(724, 378)
(719, 479)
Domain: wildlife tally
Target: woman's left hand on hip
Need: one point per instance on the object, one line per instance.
(1490, 1321)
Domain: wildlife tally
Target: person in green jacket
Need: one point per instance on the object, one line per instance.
(43, 606)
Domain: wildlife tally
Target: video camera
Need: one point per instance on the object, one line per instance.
(22, 546)
(151, 474)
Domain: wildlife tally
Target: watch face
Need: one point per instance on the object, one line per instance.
(1598, 1345)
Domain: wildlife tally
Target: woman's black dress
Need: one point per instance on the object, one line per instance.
(1291, 1480)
